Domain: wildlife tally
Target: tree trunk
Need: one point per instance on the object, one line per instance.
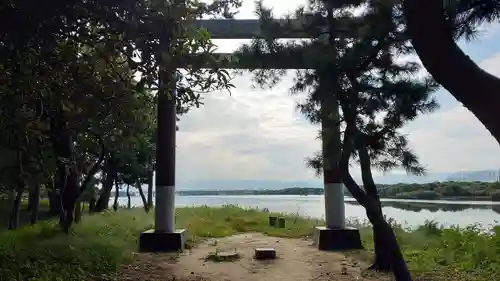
(386, 237)
(67, 171)
(54, 201)
(69, 199)
(12, 195)
(107, 186)
(381, 261)
(382, 257)
(117, 194)
(388, 243)
(92, 204)
(35, 203)
(387, 251)
(30, 201)
(78, 211)
(16, 210)
(129, 204)
(150, 191)
(16, 204)
(143, 197)
(432, 39)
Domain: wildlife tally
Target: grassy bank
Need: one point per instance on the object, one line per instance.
(448, 190)
(447, 254)
(101, 243)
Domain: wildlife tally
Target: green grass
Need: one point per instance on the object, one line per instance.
(219, 222)
(443, 254)
(103, 242)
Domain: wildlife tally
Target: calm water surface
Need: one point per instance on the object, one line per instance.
(407, 212)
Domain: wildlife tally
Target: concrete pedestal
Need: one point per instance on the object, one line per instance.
(151, 241)
(337, 239)
(265, 253)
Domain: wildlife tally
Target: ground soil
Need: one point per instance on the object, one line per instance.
(297, 259)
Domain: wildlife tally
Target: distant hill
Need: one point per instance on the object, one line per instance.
(245, 184)
(390, 178)
(480, 175)
(270, 184)
(404, 178)
(451, 190)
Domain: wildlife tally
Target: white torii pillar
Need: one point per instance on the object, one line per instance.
(334, 187)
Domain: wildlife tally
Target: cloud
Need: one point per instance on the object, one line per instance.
(489, 30)
(492, 64)
(247, 10)
(251, 134)
(453, 139)
(258, 134)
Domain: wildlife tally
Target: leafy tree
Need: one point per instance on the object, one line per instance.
(71, 72)
(132, 148)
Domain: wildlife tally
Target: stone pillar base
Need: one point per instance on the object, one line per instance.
(151, 241)
(337, 239)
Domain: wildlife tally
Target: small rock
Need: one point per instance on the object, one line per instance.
(343, 270)
(265, 253)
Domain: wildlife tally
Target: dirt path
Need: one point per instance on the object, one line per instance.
(297, 260)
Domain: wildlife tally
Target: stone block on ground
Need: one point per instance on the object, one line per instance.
(151, 241)
(224, 256)
(281, 222)
(337, 239)
(265, 253)
(273, 221)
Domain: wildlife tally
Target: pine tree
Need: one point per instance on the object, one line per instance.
(357, 72)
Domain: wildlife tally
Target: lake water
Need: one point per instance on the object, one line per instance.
(407, 212)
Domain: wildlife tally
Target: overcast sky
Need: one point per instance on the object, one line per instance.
(258, 134)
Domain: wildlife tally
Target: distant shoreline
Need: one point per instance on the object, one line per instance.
(452, 191)
(458, 198)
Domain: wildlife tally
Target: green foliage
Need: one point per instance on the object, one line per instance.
(79, 85)
(467, 16)
(441, 190)
(284, 191)
(427, 191)
(465, 253)
(103, 242)
(436, 253)
(42, 252)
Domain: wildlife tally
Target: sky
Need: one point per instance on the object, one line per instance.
(256, 133)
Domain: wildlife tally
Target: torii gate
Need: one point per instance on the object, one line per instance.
(165, 237)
